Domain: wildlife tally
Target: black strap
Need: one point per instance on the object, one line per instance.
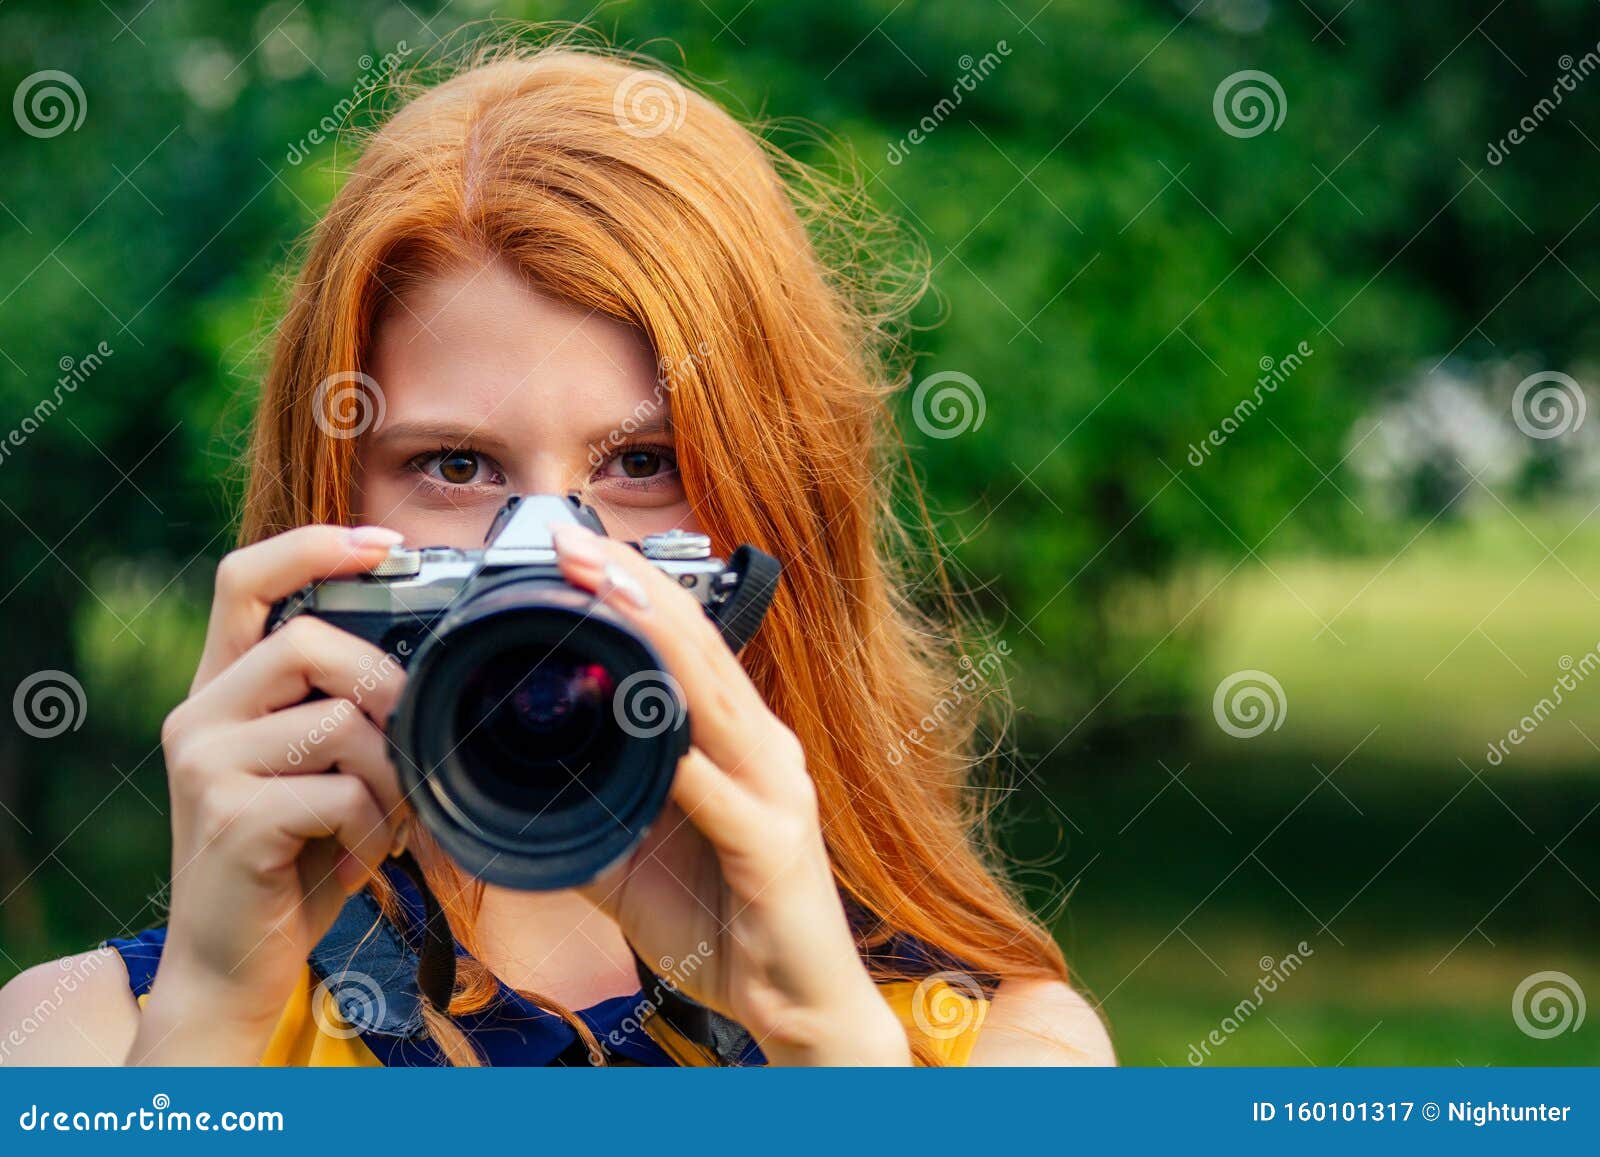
(436, 967)
(726, 1040)
(739, 614)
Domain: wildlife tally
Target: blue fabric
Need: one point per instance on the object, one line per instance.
(511, 1031)
(905, 956)
(369, 965)
(140, 954)
(364, 955)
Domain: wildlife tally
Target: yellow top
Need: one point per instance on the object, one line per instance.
(942, 1013)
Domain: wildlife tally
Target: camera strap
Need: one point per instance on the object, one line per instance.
(725, 1043)
(436, 965)
(722, 1041)
(741, 612)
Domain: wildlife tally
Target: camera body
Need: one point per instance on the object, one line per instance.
(538, 732)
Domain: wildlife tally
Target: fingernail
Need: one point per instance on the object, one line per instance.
(577, 544)
(372, 537)
(618, 582)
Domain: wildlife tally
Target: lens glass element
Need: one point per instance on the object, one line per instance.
(540, 717)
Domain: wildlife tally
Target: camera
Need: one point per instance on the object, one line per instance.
(538, 732)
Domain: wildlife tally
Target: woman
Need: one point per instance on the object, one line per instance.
(558, 271)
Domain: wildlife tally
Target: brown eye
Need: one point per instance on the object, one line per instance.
(458, 467)
(640, 463)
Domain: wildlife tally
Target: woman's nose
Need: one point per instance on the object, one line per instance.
(553, 473)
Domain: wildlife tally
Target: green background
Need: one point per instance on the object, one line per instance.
(1111, 267)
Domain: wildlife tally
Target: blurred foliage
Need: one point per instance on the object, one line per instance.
(1110, 267)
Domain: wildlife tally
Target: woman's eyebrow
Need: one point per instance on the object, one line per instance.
(658, 421)
(478, 434)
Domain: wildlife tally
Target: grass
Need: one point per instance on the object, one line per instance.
(1442, 648)
(1427, 883)
(1422, 906)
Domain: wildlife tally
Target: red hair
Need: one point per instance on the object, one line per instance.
(619, 189)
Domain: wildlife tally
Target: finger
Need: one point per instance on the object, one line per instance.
(252, 578)
(720, 809)
(300, 808)
(730, 720)
(315, 736)
(304, 655)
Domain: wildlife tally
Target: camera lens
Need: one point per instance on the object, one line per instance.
(517, 740)
(538, 716)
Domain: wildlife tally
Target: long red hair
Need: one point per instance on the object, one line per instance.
(777, 298)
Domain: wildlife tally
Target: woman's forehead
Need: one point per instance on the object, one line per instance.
(481, 343)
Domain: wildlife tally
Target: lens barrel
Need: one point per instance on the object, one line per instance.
(538, 733)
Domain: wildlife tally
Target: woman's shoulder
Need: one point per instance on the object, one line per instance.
(79, 1010)
(1041, 1022)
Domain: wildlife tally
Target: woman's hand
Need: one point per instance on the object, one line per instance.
(736, 863)
(264, 854)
